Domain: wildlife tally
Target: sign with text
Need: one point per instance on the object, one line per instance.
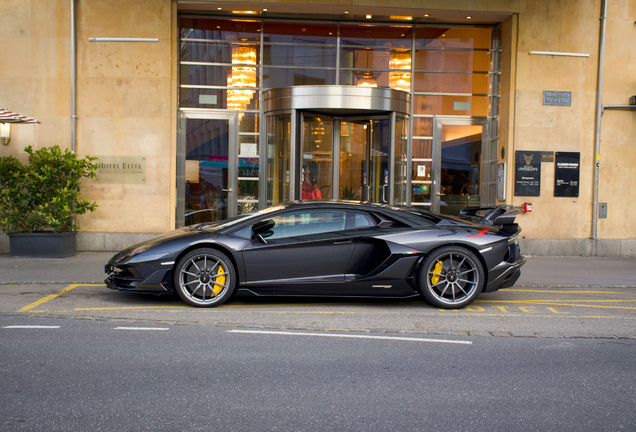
(527, 173)
(121, 169)
(559, 98)
(567, 169)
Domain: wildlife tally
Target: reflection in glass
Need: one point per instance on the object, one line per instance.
(315, 176)
(353, 163)
(206, 170)
(461, 163)
(243, 75)
(401, 166)
(278, 143)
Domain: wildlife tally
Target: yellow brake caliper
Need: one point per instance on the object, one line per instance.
(220, 281)
(438, 269)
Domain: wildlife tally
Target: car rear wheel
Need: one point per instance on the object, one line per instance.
(205, 278)
(451, 277)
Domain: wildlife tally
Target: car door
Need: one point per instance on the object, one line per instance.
(305, 250)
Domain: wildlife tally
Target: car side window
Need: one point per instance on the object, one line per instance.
(357, 220)
(307, 222)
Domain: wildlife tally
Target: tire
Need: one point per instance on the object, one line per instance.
(451, 277)
(205, 278)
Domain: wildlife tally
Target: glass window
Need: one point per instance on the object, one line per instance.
(308, 222)
(300, 32)
(375, 35)
(279, 77)
(422, 126)
(222, 76)
(299, 56)
(316, 158)
(452, 105)
(453, 83)
(278, 152)
(448, 60)
(220, 29)
(359, 220)
(218, 98)
(422, 148)
(457, 37)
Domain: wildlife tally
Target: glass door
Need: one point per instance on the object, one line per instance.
(364, 160)
(458, 158)
(316, 157)
(207, 167)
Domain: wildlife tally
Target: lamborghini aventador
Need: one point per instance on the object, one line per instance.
(330, 249)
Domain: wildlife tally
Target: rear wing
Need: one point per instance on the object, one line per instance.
(502, 216)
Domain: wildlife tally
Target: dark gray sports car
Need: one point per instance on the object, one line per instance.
(329, 249)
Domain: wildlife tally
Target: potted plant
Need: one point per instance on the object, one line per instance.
(39, 201)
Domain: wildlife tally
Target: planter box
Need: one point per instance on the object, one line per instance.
(42, 244)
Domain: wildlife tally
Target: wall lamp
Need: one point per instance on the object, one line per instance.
(5, 133)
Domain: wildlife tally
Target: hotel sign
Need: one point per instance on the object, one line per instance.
(559, 98)
(121, 169)
(528, 173)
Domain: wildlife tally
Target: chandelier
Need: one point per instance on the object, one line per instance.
(401, 79)
(242, 77)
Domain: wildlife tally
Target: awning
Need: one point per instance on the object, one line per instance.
(7, 116)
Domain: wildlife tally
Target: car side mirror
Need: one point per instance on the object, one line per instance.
(261, 229)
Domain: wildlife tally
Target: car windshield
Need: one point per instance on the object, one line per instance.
(226, 223)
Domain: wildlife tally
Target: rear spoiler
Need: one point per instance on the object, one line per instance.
(502, 216)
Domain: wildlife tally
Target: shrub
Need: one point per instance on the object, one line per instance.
(45, 194)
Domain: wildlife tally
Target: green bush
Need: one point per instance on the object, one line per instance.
(45, 194)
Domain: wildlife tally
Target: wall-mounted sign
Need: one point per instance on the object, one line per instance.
(567, 170)
(528, 173)
(121, 169)
(547, 156)
(559, 98)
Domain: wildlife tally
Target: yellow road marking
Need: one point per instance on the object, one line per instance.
(52, 296)
(558, 303)
(557, 292)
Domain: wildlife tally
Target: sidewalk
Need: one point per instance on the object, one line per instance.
(88, 267)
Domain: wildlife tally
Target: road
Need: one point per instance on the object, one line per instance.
(580, 312)
(83, 357)
(63, 374)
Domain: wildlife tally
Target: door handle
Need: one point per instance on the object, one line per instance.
(226, 190)
(339, 242)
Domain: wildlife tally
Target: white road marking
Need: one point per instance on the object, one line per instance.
(143, 328)
(396, 338)
(30, 327)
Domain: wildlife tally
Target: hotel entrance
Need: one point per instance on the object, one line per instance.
(336, 142)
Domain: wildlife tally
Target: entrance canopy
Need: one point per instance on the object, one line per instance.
(338, 100)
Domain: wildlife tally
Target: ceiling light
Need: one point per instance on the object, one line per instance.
(398, 17)
(469, 17)
(369, 16)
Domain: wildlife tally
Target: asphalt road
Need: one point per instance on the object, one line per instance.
(62, 374)
(581, 312)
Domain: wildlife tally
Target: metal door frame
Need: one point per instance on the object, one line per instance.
(207, 114)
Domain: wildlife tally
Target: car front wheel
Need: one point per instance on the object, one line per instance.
(205, 278)
(451, 277)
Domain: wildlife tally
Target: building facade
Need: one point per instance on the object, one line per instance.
(201, 110)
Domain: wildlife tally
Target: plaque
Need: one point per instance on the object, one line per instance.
(121, 169)
(527, 173)
(567, 169)
(558, 98)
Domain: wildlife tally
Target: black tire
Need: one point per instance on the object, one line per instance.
(205, 278)
(451, 277)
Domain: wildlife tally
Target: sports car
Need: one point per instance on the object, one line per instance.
(329, 248)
